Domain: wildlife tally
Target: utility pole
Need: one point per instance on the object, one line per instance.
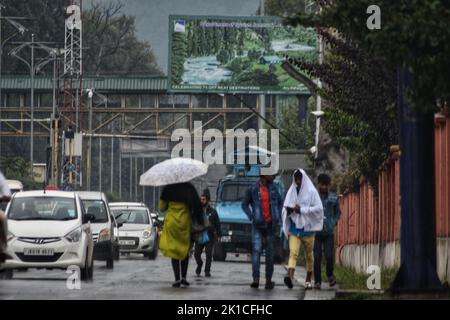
(417, 189)
(89, 148)
(32, 71)
(261, 97)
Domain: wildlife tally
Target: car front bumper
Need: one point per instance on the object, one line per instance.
(141, 244)
(65, 254)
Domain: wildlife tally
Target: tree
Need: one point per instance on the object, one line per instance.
(413, 43)
(290, 124)
(109, 37)
(179, 55)
(112, 43)
(17, 168)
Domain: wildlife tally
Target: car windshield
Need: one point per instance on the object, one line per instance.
(97, 208)
(131, 215)
(42, 208)
(233, 191)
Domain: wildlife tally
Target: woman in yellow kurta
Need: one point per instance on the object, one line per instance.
(182, 203)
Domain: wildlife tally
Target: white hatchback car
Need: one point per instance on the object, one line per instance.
(49, 229)
(138, 233)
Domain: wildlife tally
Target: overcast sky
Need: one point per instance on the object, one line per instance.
(152, 17)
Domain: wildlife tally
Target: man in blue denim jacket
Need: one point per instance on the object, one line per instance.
(325, 239)
(262, 205)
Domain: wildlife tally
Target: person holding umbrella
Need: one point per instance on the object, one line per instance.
(181, 202)
(183, 207)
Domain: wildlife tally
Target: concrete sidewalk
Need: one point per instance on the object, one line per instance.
(325, 293)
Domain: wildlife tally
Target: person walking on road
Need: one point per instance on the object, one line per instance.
(302, 216)
(214, 235)
(182, 203)
(262, 204)
(324, 240)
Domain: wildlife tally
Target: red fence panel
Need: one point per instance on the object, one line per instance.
(370, 219)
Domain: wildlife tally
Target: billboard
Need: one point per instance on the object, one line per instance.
(235, 54)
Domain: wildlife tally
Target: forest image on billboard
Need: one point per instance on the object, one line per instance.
(228, 54)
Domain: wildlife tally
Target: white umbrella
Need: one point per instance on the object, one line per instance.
(172, 171)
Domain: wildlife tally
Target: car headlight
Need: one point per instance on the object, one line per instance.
(147, 233)
(75, 235)
(104, 235)
(10, 236)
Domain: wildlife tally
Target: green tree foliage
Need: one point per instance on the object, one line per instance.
(224, 56)
(414, 35)
(109, 37)
(285, 8)
(113, 47)
(179, 55)
(254, 54)
(360, 98)
(17, 168)
(291, 126)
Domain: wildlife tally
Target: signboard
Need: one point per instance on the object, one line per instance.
(74, 146)
(148, 148)
(236, 54)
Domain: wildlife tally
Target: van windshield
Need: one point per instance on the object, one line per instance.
(42, 208)
(233, 191)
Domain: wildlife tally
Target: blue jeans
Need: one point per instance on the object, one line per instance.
(262, 237)
(323, 242)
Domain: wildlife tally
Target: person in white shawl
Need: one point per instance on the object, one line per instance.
(302, 216)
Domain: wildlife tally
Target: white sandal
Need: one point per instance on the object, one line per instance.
(308, 285)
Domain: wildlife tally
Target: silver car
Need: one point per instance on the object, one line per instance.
(138, 233)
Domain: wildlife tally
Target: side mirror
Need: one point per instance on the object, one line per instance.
(88, 218)
(120, 224)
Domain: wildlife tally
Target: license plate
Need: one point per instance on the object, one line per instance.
(38, 252)
(225, 239)
(127, 242)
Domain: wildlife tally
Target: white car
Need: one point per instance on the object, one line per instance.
(138, 233)
(106, 246)
(49, 229)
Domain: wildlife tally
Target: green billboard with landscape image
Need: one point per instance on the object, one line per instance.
(236, 54)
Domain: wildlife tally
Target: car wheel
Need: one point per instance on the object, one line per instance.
(6, 274)
(116, 252)
(91, 271)
(110, 262)
(110, 259)
(219, 252)
(85, 270)
(152, 255)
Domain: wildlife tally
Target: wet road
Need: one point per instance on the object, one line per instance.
(134, 277)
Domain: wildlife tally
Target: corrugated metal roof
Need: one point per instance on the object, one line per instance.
(99, 83)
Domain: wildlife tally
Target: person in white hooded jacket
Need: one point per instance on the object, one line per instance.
(302, 216)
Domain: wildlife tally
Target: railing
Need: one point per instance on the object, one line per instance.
(367, 219)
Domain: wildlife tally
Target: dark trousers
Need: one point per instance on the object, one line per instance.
(180, 268)
(262, 238)
(323, 243)
(198, 255)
